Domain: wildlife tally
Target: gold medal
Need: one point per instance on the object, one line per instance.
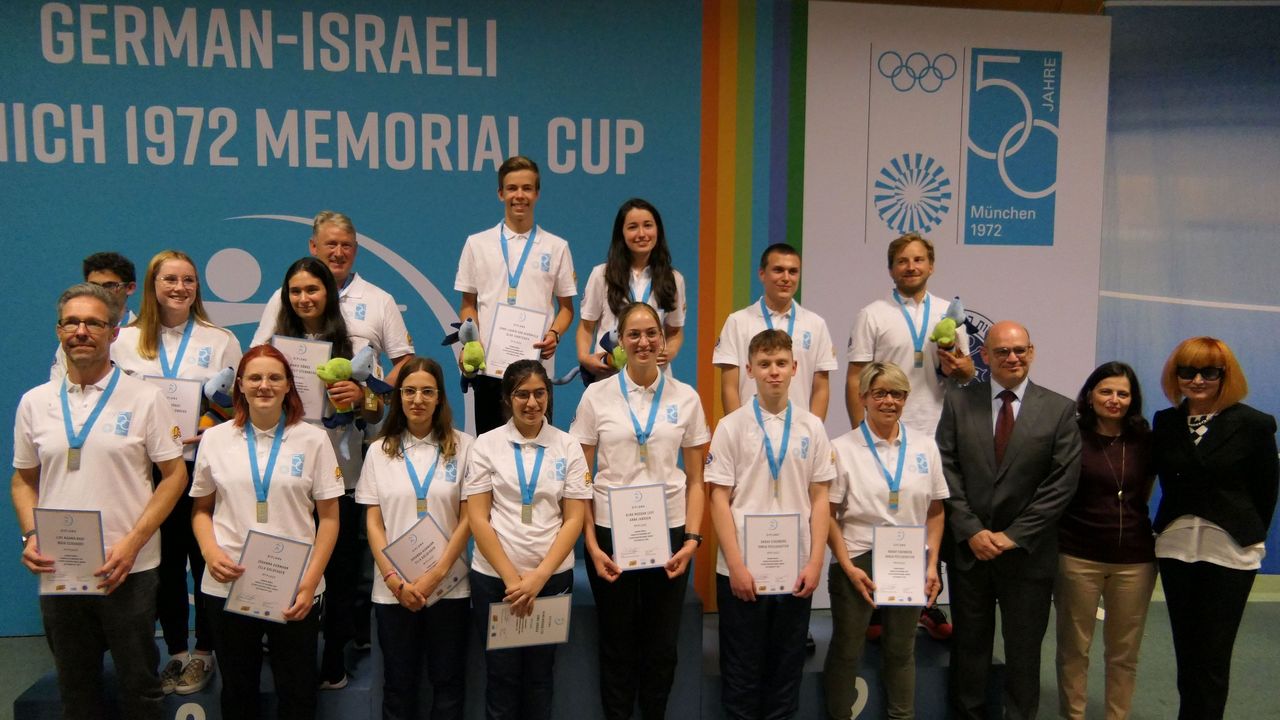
(919, 358)
(526, 514)
(511, 295)
(893, 499)
(370, 400)
(262, 511)
(422, 507)
(73, 459)
(644, 454)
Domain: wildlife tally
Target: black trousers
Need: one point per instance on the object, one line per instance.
(341, 579)
(237, 639)
(178, 549)
(1024, 615)
(761, 653)
(1206, 603)
(487, 403)
(435, 639)
(639, 622)
(518, 682)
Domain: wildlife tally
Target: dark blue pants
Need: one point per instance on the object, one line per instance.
(178, 550)
(518, 682)
(237, 640)
(761, 653)
(341, 579)
(434, 638)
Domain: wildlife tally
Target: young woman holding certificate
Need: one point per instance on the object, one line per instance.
(268, 472)
(173, 338)
(888, 476)
(414, 476)
(526, 487)
(309, 309)
(641, 422)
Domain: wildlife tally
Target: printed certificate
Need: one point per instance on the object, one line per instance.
(771, 550)
(304, 357)
(184, 397)
(73, 538)
(273, 568)
(898, 564)
(547, 625)
(638, 516)
(515, 330)
(418, 550)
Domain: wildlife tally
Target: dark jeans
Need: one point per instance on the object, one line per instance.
(81, 628)
(237, 639)
(178, 548)
(1024, 615)
(639, 620)
(341, 579)
(518, 681)
(1206, 603)
(761, 653)
(435, 638)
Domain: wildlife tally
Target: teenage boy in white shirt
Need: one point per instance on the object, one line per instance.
(768, 457)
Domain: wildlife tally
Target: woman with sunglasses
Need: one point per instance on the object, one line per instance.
(416, 472)
(172, 337)
(1105, 547)
(1216, 460)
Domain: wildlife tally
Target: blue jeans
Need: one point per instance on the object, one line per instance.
(435, 638)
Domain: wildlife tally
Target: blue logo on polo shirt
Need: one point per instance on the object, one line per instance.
(673, 415)
(806, 339)
(562, 468)
(295, 465)
(922, 464)
(804, 448)
(122, 423)
(204, 356)
(544, 262)
(451, 470)
(360, 311)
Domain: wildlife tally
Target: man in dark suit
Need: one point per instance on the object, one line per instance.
(1011, 454)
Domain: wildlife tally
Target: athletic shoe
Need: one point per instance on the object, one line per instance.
(335, 684)
(170, 675)
(196, 675)
(875, 628)
(935, 622)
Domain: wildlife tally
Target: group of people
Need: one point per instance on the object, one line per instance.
(1030, 498)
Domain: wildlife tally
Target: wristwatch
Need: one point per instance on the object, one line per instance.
(694, 537)
(27, 536)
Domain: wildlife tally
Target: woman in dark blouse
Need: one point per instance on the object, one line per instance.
(1104, 543)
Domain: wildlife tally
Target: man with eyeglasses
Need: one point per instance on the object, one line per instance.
(1011, 454)
(114, 273)
(87, 443)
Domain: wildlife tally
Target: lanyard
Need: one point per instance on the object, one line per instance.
(775, 462)
(261, 484)
(917, 335)
(895, 480)
(75, 440)
(768, 321)
(528, 486)
(421, 488)
(513, 279)
(642, 436)
(171, 370)
(644, 297)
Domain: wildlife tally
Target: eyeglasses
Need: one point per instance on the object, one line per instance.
(1208, 373)
(1004, 352)
(409, 393)
(879, 395)
(174, 281)
(112, 285)
(272, 379)
(93, 325)
(524, 395)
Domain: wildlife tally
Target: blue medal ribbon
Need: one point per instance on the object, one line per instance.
(917, 336)
(166, 368)
(528, 485)
(262, 483)
(76, 440)
(895, 480)
(642, 436)
(513, 279)
(421, 488)
(644, 298)
(775, 461)
(768, 321)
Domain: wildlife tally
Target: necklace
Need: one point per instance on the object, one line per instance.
(1119, 478)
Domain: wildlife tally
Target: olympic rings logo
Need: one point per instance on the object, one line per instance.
(917, 70)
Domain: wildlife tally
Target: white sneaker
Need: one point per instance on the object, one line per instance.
(169, 676)
(196, 675)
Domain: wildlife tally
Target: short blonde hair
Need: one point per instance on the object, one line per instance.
(331, 217)
(890, 373)
(895, 247)
(1205, 351)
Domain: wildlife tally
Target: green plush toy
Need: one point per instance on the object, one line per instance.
(334, 371)
(944, 333)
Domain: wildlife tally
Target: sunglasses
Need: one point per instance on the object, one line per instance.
(1207, 373)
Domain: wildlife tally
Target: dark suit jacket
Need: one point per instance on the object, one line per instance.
(1230, 478)
(1026, 495)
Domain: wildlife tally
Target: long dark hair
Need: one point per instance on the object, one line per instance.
(515, 374)
(1134, 422)
(441, 420)
(333, 327)
(617, 268)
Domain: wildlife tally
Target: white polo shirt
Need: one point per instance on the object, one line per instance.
(371, 314)
(880, 333)
(595, 301)
(811, 347)
(491, 469)
(135, 429)
(385, 482)
(305, 471)
(737, 460)
(548, 274)
(861, 492)
(209, 350)
(603, 421)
